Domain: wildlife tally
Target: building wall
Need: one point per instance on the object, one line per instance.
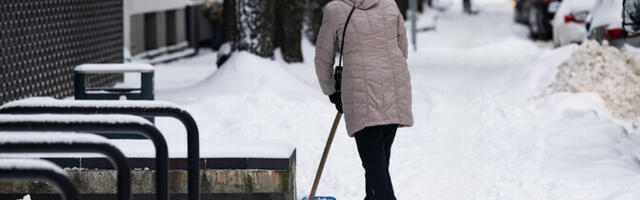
(133, 9)
(42, 41)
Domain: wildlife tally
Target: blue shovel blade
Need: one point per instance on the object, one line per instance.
(321, 198)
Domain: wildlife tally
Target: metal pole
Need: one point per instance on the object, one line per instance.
(413, 4)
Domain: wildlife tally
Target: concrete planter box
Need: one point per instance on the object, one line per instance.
(221, 179)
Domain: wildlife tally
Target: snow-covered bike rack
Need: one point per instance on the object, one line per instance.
(42, 170)
(100, 124)
(43, 142)
(139, 108)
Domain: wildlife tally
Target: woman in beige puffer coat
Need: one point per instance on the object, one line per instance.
(376, 85)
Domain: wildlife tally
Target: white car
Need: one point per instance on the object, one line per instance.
(569, 21)
(606, 22)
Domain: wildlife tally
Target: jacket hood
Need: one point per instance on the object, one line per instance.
(362, 4)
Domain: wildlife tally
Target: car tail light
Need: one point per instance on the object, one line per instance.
(580, 17)
(614, 34)
(569, 18)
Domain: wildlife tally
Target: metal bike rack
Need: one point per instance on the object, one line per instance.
(79, 143)
(140, 108)
(45, 171)
(99, 124)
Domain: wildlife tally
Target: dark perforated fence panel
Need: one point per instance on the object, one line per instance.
(41, 41)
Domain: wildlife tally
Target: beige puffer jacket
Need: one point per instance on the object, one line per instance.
(376, 85)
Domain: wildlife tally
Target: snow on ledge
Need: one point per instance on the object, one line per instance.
(113, 68)
(74, 118)
(50, 137)
(223, 148)
(29, 164)
(50, 102)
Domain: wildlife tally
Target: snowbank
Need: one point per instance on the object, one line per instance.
(605, 70)
(243, 73)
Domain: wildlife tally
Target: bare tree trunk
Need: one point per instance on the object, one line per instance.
(289, 18)
(228, 20)
(314, 18)
(403, 5)
(249, 25)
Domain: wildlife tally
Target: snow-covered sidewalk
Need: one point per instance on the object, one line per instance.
(483, 128)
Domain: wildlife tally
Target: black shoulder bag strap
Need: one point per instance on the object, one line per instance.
(338, 72)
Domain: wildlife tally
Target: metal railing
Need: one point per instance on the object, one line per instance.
(45, 145)
(139, 108)
(46, 171)
(95, 124)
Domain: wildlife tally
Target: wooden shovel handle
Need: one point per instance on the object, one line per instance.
(327, 147)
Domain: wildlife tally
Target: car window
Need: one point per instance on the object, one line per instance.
(631, 17)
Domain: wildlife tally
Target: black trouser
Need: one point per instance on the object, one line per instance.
(374, 146)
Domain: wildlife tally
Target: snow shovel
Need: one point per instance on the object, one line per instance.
(327, 147)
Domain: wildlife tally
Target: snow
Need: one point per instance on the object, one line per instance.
(565, 33)
(172, 75)
(214, 149)
(113, 68)
(226, 148)
(50, 137)
(605, 70)
(572, 6)
(50, 102)
(607, 13)
(578, 5)
(73, 118)
(10, 163)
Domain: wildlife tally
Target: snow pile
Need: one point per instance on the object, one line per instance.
(604, 70)
(243, 73)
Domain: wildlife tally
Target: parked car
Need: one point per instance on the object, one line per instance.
(569, 21)
(537, 14)
(607, 19)
(631, 21)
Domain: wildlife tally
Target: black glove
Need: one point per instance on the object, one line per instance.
(336, 98)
